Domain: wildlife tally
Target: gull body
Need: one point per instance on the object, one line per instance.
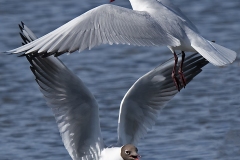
(148, 23)
(111, 153)
(76, 110)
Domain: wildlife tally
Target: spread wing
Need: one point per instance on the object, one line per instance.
(149, 94)
(106, 24)
(74, 107)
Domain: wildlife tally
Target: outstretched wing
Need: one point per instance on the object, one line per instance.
(106, 24)
(74, 107)
(149, 94)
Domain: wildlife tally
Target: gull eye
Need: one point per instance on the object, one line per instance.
(127, 152)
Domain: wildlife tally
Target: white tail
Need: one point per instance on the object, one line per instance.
(214, 53)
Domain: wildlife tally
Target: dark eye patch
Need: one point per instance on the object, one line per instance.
(127, 152)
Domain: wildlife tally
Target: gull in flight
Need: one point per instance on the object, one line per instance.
(76, 110)
(148, 23)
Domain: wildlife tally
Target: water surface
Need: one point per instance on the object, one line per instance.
(201, 122)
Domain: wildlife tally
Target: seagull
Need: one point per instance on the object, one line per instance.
(76, 110)
(148, 23)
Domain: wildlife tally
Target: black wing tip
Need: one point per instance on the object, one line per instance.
(58, 54)
(27, 40)
(20, 27)
(192, 66)
(24, 38)
(32, 69)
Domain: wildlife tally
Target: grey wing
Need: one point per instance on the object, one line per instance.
(149, 94)
(74, 107)
(106, 24)
(173, 8)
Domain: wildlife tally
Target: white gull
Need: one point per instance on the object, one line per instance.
(148, 23)
(76, 110)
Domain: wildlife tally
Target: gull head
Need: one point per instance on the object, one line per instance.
(129, 152)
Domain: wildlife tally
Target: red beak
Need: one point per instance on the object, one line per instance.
(111, 1)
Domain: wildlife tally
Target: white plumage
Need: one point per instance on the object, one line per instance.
(76, 110)
(150, 23)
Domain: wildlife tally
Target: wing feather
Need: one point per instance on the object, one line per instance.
(104, 24)
(149, 94)
(74, 107)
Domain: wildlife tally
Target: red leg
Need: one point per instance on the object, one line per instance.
(175, 79)
(180, 71)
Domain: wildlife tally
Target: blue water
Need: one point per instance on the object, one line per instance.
(201, 122)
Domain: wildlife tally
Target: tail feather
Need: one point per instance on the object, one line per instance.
(230, 55)
(214, 53)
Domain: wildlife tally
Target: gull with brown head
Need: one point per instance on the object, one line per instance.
(76, 110)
